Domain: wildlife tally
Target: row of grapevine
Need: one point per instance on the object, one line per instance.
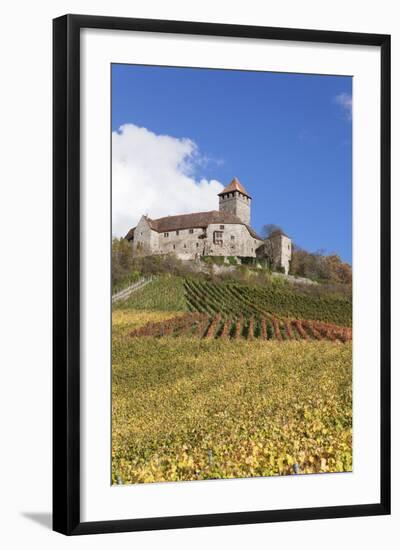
(233, 299)
(265, 328)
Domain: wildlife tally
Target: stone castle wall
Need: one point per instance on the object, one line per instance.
(146, 240)
(215, 240)
(183, 242)
(236, 241)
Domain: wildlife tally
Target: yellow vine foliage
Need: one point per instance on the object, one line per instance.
(190, 409)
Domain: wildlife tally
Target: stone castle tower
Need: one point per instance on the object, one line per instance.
(234, 199)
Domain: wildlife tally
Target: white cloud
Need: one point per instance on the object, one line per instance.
(346, 101)
(154, 174)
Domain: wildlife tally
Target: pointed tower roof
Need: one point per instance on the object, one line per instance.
(235, 185)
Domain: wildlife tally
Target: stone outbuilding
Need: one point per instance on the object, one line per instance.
(277, 250)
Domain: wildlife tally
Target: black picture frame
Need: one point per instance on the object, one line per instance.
(66, 273)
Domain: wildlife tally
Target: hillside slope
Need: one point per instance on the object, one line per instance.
(234, 299)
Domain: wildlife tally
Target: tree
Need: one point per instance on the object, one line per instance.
(319, 266)
(122, 263)
(337, 270)
(270, 229)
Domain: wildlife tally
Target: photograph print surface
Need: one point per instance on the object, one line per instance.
(231, 274)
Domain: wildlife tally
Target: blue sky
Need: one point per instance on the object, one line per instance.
(287, 137)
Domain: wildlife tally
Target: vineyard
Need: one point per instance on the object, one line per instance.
(206, 408)
(235, 299)
(265, 328)
(229, 380)
(232, 300)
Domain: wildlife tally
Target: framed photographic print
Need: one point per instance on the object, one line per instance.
(221, 274)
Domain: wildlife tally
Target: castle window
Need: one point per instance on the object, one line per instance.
(173, 246)
(184, 246)
(197, 245)
(177, 232)
(252, 250)
(190, 230)
(232, 237)
(166, 234)
(218, 238)
(222, 227)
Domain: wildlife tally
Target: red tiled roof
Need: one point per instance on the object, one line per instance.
(189, 221)
(197, 219)
(235, 185)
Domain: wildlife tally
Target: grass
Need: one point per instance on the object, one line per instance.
(165, 293)
(187, 409)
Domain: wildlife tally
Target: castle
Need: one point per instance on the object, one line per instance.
(225, 232)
